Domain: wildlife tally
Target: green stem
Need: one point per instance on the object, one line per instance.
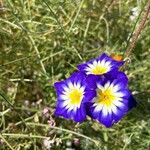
(13, 135)
(38, 53)
(77, 14)
(55, 16)
(62, 129)
(5, 112)
(1, 136)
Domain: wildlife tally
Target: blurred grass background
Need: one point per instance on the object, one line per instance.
(41, 42)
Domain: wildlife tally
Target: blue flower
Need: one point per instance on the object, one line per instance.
(71, 96)
(98, 89)
(100, 66)
(112, 101)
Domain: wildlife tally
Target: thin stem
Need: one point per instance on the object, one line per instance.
(138, 31)
(126, 144)
(20, 122)
(137, 20)
(14, 135)
(77, 14)
(5, 99)
(38, 53)
(61, 27)
(65, 130)
(11, 24)
(1, 136)
(30, 57)
(19, 79)
(107, 8)
(11, 105)
(87, 27)
(5, 111)
(111, 4)
(55, 16)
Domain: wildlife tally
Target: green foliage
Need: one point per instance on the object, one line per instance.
(41, 42)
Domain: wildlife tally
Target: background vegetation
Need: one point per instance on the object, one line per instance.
(41, 42)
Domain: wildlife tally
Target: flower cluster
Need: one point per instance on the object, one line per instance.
(98, 89)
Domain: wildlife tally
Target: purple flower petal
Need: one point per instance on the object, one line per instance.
(103, 61)
(116, 100)
(72, 93)
(80, 114)
(107, 121)
(89, 94)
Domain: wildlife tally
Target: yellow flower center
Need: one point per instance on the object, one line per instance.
(99, 70)
(75, 96)
(105, 97)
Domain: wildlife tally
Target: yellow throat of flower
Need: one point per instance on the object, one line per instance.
(105, 97)
(99, 70)
(75, 96)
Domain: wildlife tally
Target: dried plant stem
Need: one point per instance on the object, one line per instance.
(138, 31)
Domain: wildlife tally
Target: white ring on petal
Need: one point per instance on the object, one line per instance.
(104, 111)
(103, 62)
(99, 107)
(119, 94)
(65, 97)
(95, 63)
(70, 85)
(114, 109)
(118, 103)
